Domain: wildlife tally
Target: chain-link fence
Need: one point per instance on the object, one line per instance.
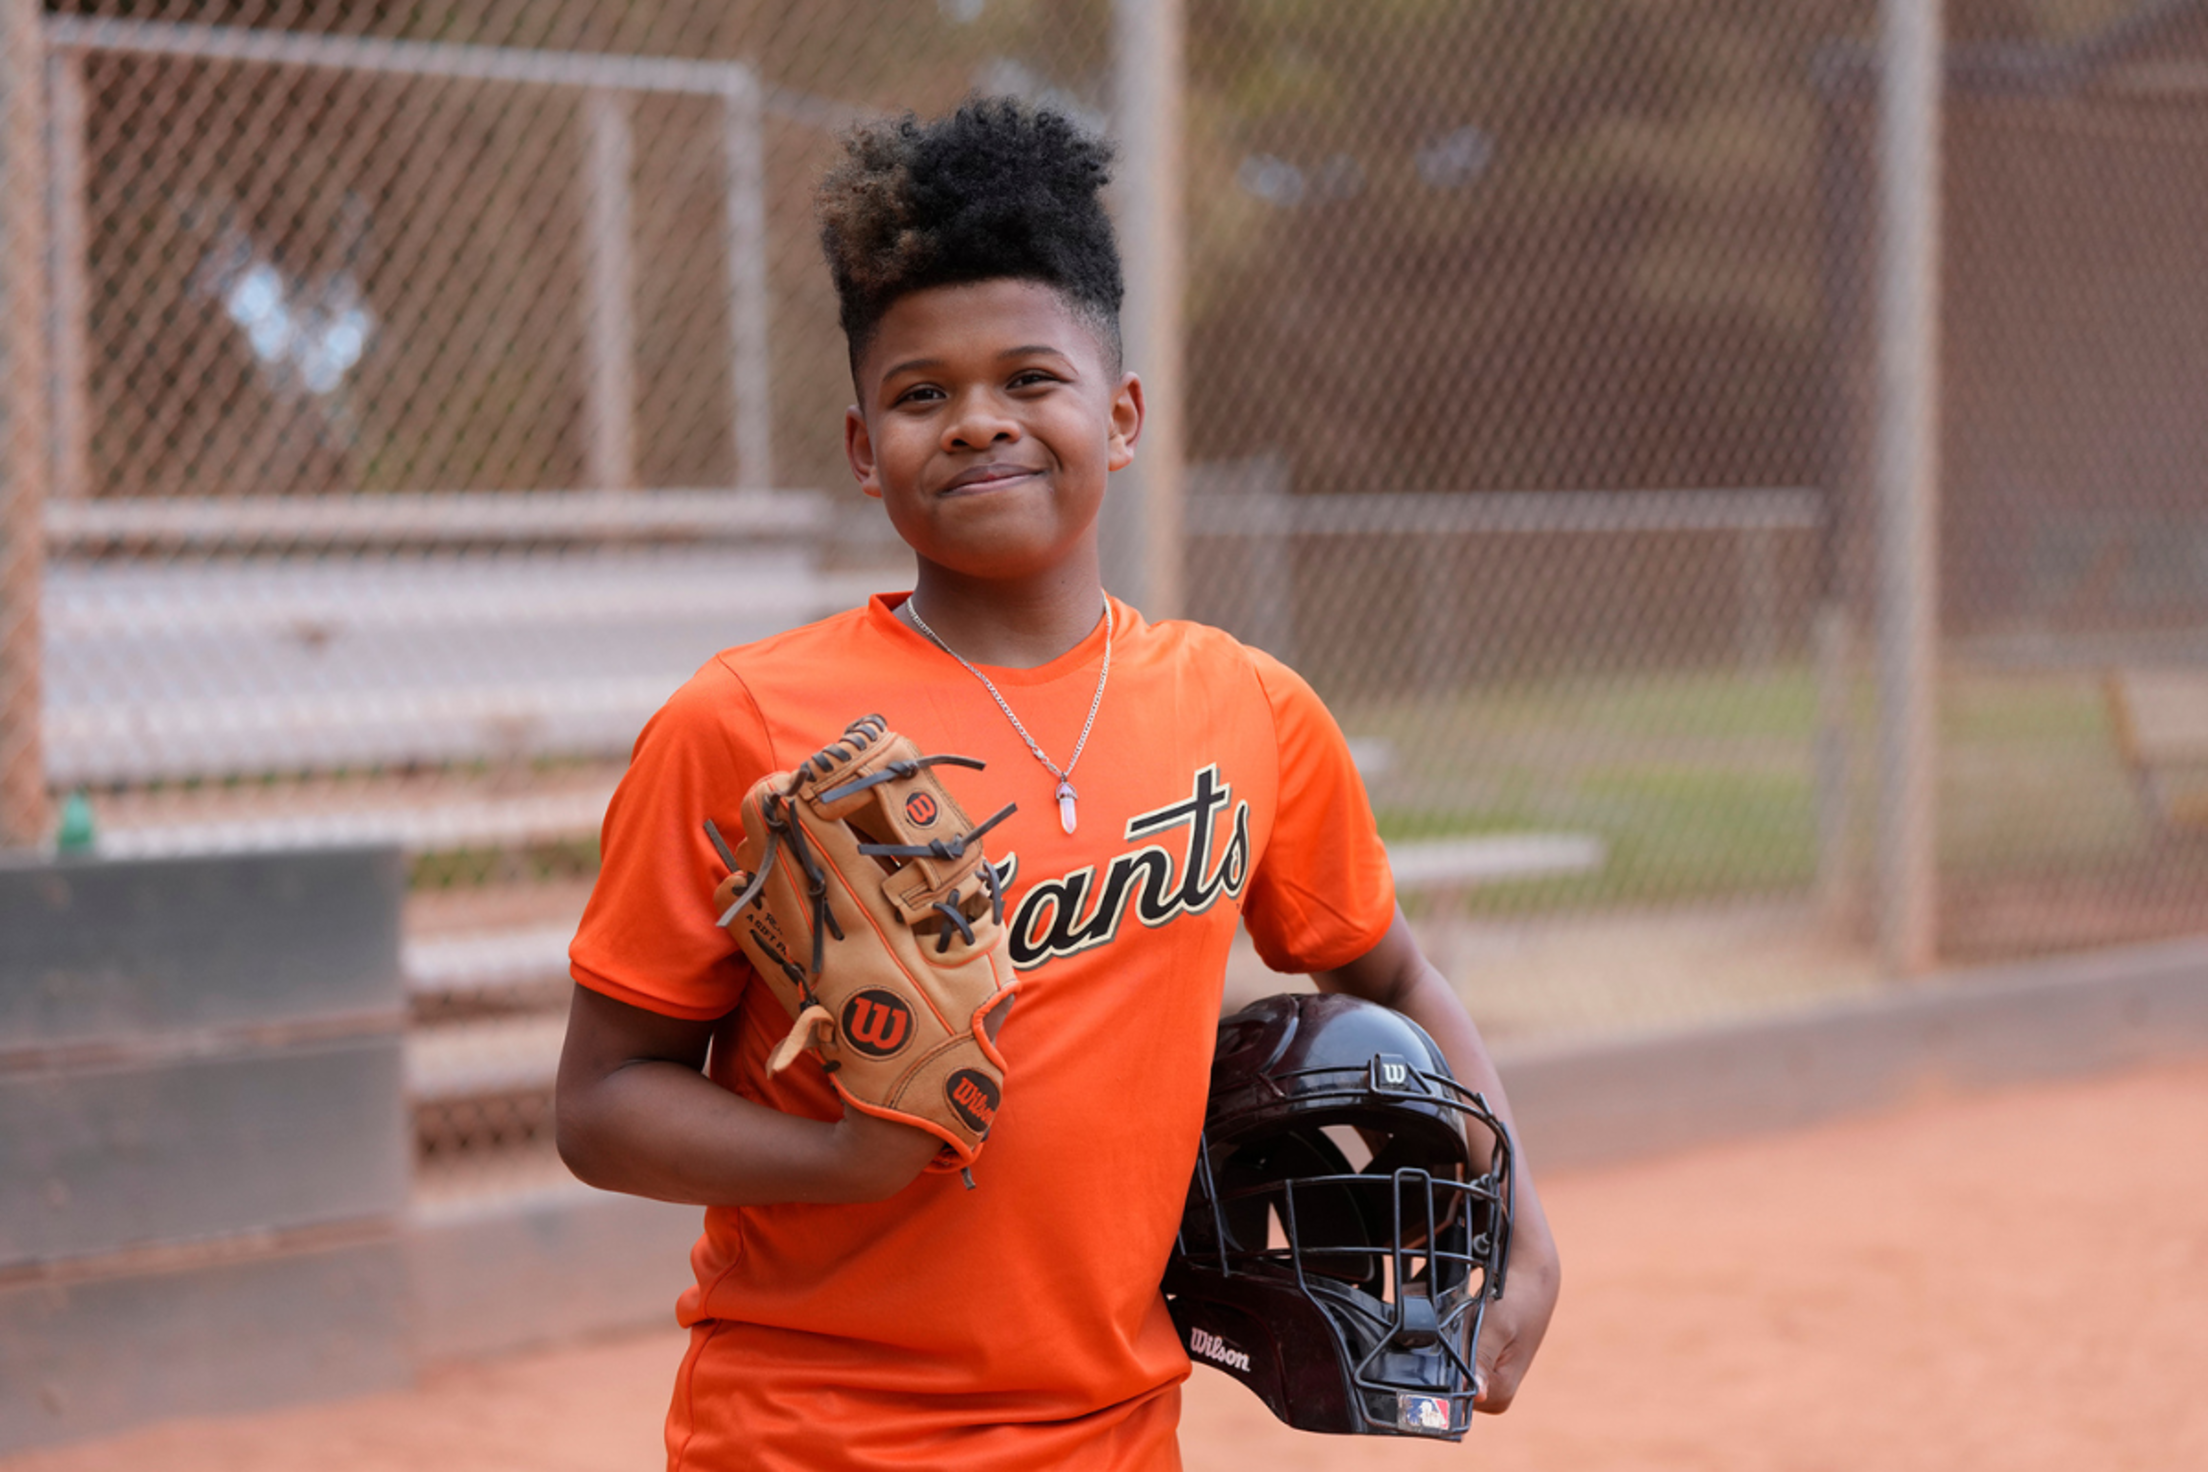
(407, 398)
(2075, 571)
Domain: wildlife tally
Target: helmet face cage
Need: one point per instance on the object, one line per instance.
(1395, 1261)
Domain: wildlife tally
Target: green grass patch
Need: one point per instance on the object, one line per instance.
(1702, 783)
(1671, 833)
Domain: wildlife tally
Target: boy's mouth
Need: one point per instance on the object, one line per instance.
(987, 477)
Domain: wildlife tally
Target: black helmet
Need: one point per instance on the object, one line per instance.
(1348, 1296)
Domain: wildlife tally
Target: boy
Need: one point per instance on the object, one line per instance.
(851, 1309)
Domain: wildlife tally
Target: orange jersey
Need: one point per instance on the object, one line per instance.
(1017, 1325)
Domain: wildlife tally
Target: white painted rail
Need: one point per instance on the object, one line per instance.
(429, 630)
(1461, 863)
(489, 960)
(417, 827)
(411, 518)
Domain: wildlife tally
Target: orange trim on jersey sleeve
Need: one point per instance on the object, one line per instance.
(606, 986)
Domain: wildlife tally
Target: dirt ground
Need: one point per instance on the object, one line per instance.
(2011, 1281)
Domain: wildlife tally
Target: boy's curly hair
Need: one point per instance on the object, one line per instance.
(996, 189)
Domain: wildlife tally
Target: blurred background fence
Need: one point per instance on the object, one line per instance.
(402, 400)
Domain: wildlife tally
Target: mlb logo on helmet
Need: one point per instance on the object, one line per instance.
(1421, 1413)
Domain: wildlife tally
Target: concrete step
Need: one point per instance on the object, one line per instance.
(483, 1057)
(487, 961)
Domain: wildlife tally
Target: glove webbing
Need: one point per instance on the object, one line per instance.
(861, 734)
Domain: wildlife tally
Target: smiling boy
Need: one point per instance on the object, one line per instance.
(853, 1310)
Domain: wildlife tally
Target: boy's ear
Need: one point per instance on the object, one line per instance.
(1126, 423)
(858, 448)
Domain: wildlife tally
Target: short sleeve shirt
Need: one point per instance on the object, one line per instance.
(1019, 1324)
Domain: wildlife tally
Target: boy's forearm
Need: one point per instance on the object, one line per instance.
(656, 1126)
(657, 1130)
(1430, 1002)
(1398, 975)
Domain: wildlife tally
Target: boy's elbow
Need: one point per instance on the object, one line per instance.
(576, 1138)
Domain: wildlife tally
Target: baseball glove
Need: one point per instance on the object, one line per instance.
(861, 894)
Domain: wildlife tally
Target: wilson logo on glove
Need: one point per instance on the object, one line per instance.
(877, 1023)
(921, 809)
(974, 1096)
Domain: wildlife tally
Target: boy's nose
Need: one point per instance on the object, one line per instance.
(979, 422)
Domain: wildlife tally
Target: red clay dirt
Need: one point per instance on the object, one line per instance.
(2015, 1281)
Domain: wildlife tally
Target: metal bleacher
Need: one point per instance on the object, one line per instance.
(454, 673)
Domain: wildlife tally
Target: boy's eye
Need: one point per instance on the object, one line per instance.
(919, 393)
(1029, 377)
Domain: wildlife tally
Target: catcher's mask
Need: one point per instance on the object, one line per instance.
(1343, 1232)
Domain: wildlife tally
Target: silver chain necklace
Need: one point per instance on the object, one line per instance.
(1066, 795)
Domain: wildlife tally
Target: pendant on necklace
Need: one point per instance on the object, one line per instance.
(1066, 819)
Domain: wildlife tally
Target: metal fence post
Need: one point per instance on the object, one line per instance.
(1757, 640)
(70, 346)
(1142, 537)
(610, 456)
(25, 455)
(1831, 764)
(751, 361)
(1908, 486)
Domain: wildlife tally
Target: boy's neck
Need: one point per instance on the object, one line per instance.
(1010, 625)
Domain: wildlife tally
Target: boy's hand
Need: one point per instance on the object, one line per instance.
(1517, 1321)
(878, 1157)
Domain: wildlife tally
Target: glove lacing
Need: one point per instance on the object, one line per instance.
(813, 1018)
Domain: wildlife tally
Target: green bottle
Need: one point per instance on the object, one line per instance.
(75, 835)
